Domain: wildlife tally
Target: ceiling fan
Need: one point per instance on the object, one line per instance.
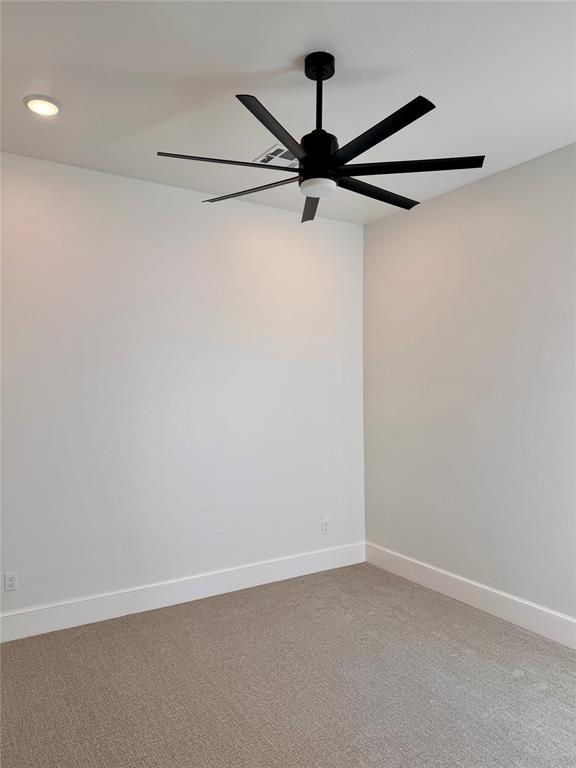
(323, 166)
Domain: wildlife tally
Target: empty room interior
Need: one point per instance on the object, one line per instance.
(288, 384)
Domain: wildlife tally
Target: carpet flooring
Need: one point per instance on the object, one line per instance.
(351, 668)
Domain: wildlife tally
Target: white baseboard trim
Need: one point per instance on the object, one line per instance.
(86, 610)
(544, 621)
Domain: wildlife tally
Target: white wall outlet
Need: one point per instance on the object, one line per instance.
(10, 581)
(325, 526)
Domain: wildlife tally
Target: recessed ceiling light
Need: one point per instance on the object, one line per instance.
(42, 105)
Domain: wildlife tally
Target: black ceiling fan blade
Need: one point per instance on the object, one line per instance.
(250, 191)
(227, 162)
(269, 121)
(310, 208)
(412, 166)
(385, 128)
(376, 193)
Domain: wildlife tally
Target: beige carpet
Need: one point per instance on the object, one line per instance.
(345, 669)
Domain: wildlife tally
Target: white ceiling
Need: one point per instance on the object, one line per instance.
(137, 77)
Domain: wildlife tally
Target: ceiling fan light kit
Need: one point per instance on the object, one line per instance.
(318, 187)
(323, 166)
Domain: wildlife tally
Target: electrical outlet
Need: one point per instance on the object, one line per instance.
(10, 581)
(325, 526)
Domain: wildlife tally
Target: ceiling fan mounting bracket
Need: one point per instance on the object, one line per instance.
(319, 66)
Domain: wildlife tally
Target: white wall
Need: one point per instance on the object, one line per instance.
(469, 389)
(182, 383)
(183, 389)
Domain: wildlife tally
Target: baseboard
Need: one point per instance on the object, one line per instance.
(544, 621)
(72, 613)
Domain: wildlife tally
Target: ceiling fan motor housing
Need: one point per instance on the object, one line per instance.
(319, 146)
